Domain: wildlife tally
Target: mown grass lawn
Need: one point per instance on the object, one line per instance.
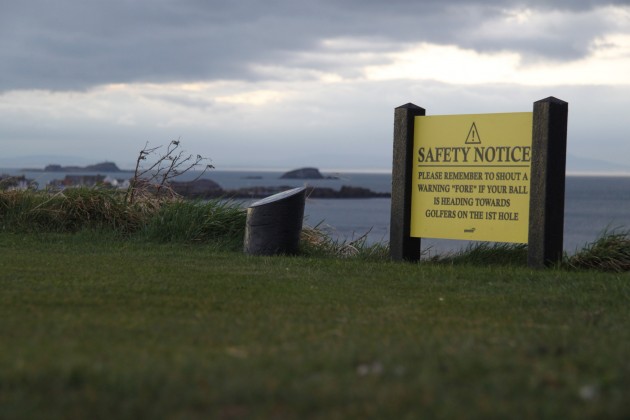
(93, 327)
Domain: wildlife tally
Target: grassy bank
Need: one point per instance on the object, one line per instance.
(96, 327)
(147, 218)
(166, 218)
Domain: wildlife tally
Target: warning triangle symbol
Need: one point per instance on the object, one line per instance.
(473, 135)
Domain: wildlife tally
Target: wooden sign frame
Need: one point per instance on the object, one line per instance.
(547, 183)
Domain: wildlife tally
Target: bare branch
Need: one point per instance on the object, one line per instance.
(169, 164)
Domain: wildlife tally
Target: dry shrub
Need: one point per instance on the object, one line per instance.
(316, 241)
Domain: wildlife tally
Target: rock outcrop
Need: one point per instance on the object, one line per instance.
(305, 173)
(205, 188)
(200, 188)
(99, 167)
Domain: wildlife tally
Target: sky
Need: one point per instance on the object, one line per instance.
(288, 83)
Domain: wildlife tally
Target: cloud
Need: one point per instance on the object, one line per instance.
(607, 64)
(75, 45)
(309, 123)
(289, 83)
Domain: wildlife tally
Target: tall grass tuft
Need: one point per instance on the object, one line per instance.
(71, 210)
(610, 252)
(154, 218)
(195, 221)
(316, 242)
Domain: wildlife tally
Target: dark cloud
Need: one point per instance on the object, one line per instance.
(77, 44)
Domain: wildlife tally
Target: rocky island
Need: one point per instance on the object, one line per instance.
(99, 167)
(208, 189)
(203, 188)
(305, 173)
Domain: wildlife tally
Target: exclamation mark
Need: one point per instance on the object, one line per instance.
(472, 137)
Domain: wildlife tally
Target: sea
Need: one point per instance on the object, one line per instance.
(593, 204)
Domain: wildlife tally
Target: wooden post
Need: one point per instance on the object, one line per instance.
(274, 224)
(546, 206)
(402, 246)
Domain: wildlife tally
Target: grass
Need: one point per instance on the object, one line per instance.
(115, 310)
(609, 252)
(486, 253)
(147, 219)
(222, 223)
(130, 329)
(72, 210)
(200, 222)
(154, 219)
(317, 243)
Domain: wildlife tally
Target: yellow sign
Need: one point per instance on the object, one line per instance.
(472, 177)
